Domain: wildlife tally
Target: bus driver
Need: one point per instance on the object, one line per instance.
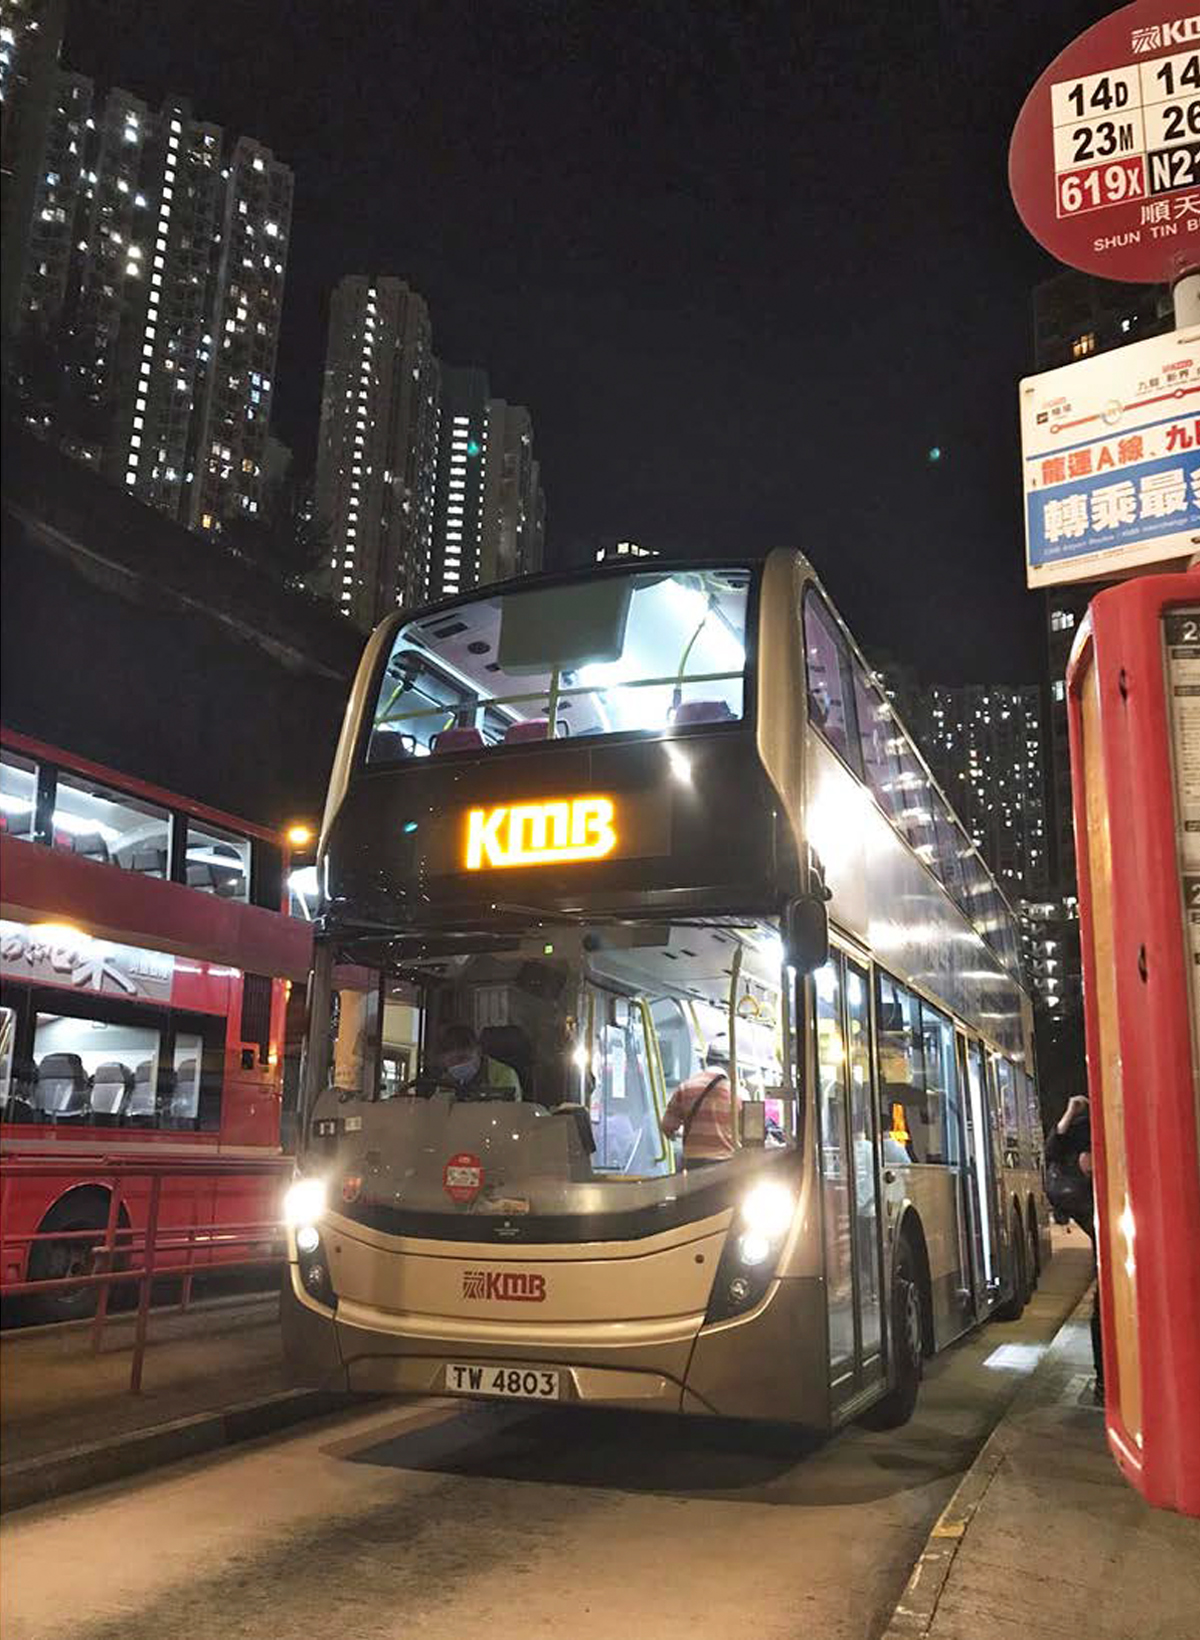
(474, 1073)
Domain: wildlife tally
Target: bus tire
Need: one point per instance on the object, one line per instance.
(1013, 1307)
(1034, 1253)
(908, 1346)
(48, 1260)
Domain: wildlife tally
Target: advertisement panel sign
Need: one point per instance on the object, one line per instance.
(1110, 450)
(58, 955)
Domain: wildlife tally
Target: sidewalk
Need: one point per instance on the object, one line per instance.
(1044, 1537)
(212, 1376)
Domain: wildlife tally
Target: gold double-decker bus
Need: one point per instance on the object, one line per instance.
(593, 839)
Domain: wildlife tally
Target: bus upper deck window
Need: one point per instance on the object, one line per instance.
(110, 826)
(18, 795)
(616, 654)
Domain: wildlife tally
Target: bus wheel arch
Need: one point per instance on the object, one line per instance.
(1013, 1307)
(83, 1207)
(911, 1234)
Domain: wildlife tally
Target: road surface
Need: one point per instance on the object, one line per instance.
(441, 1520)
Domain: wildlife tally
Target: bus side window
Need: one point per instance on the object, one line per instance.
(901, 1072)
(941, 1088)
(1033, 1107)
(1006, 1077)
(876, 730)
(830, 689)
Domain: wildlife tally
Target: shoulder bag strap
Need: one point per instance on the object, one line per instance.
(695, 1110)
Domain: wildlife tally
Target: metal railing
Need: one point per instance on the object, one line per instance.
(165, 1251)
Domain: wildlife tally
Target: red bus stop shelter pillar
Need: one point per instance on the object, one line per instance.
(1135, 766)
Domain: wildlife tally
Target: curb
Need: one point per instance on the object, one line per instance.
(917, 1606)
(54, 1475)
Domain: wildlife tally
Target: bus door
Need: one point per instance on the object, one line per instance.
(974, 1199)
(850, 1178)
(988, 1223)
(624, 1100)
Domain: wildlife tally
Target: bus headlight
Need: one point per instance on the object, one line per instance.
(308, 1238)
(752, 1250)
(753, 1247)
(304, 1203)
(767, 1212)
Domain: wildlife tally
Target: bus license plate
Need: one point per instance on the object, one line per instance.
(514, 1383)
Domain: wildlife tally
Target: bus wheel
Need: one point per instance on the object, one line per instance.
(908, 1350)
(52, 1260)
(1013, 1308)
(1033, 1256)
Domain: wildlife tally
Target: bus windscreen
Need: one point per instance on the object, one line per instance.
(615, 654)
(544, 1080)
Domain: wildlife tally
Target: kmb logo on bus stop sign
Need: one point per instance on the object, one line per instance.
(528, 834)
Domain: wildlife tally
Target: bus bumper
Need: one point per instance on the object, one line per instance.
(766, 1365)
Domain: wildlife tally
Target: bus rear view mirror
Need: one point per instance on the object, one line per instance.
(806, 934)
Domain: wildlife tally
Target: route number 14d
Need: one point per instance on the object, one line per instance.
(1105, 95)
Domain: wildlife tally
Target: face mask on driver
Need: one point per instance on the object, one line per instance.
(463, 1073)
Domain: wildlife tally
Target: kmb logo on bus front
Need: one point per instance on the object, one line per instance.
(519, 1286)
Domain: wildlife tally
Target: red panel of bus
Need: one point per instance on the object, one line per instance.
(152, 958)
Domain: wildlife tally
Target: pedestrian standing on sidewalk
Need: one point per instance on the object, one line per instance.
(1070, 1189)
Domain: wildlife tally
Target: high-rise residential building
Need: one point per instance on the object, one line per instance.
(426, 484)
(514, 505)
(154, 277)
(31, 33)
(378, 448)
(458, 516)
(1074, 316)
(232, 427)
(620, 552)
(984, 745)
(489, 509)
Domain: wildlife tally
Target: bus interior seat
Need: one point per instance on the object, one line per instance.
(390, 745)
(111, 1085)
(460, 739)
(92, 846)
(62, 1085)
(150, 862)
(142, 1102)
(511, 1046)
(532, 729)
(22, 1093)
(702, 711)
(185, 1100)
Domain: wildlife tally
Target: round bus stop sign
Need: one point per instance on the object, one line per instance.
(1104, 164)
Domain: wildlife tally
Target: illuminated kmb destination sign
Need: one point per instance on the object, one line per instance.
(530, 834)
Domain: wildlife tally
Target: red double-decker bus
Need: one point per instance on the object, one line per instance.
(148, 950)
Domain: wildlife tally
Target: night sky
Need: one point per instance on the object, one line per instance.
(745, 265)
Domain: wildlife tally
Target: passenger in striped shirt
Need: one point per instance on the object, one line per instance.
(702, 1110)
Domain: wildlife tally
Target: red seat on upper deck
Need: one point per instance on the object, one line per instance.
(531, 729)
(702, 711)
(458, 740)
